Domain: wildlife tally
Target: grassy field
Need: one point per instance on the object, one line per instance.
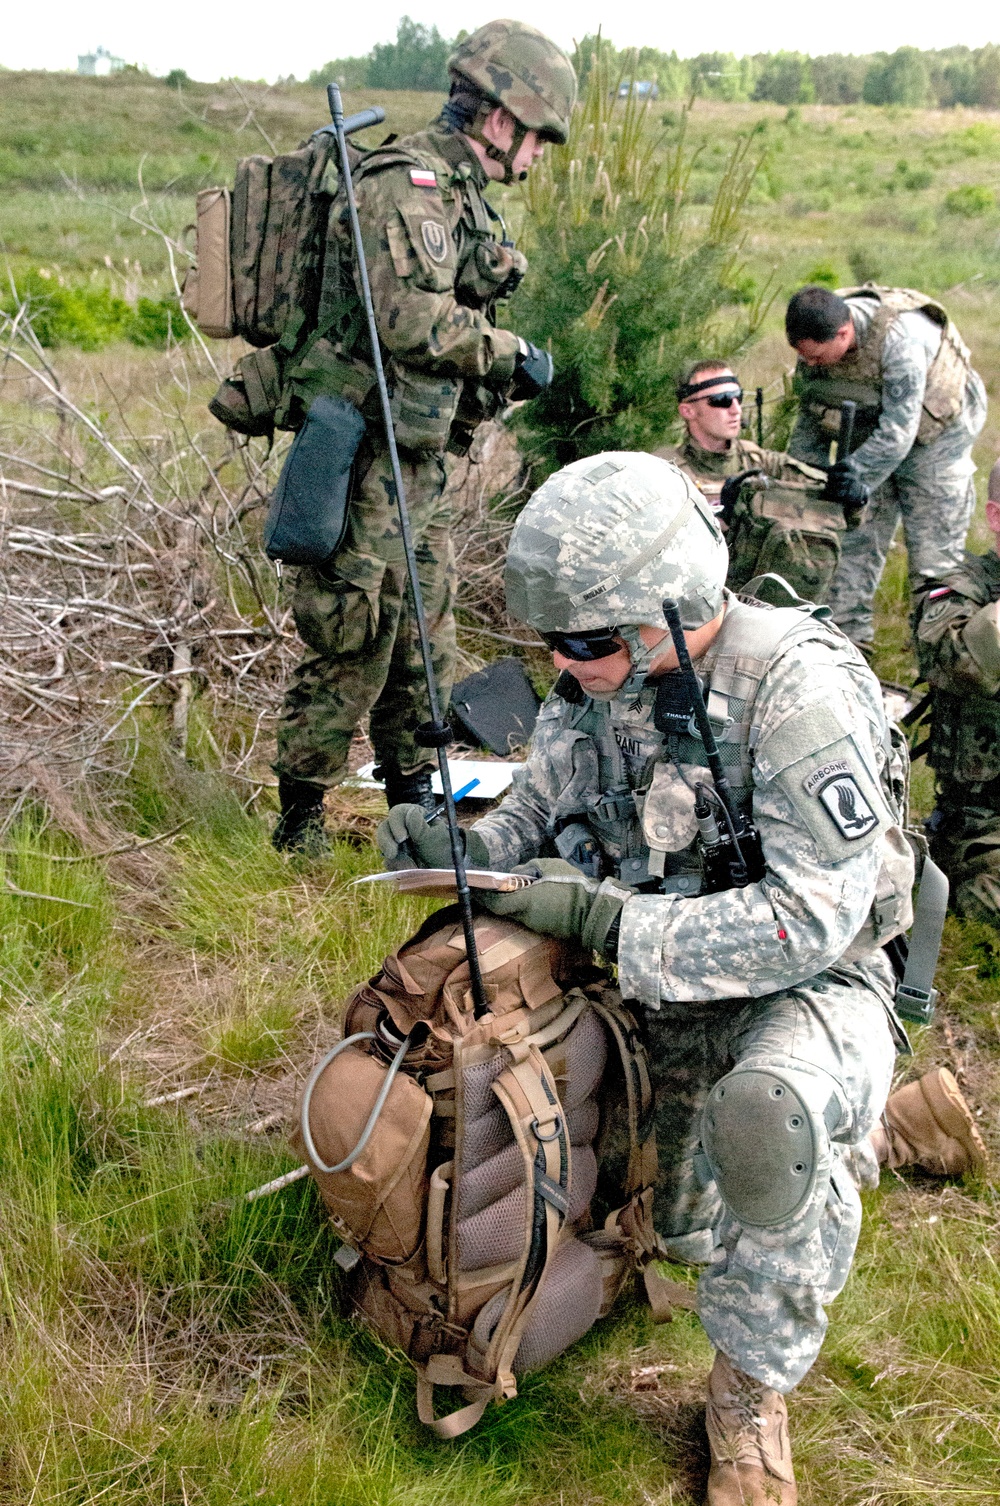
(163, 1341)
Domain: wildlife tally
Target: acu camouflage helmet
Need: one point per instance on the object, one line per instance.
(516, 66)
(604, 540)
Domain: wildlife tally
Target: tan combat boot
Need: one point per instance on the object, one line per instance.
(747, 1427)
(929, 1124)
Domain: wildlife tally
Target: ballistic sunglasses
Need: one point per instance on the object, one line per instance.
(599, 644)
(720, 399)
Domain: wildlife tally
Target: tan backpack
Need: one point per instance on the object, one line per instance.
(492, 1179)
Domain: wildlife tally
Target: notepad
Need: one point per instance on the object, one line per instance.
(442, 880)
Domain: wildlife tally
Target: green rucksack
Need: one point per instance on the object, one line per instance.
(259, 271)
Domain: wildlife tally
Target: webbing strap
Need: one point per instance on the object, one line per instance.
(456, 1423)
(916, 995)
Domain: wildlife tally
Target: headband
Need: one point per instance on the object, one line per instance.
(688, 389)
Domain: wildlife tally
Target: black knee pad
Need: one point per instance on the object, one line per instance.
(763, 1144)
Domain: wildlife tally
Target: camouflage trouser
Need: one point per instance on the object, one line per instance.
(356, 619)
(762, 1298)
(967, 846)
(933, 491)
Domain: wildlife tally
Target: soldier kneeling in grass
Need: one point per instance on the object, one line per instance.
(767, 1000)
(956, 625)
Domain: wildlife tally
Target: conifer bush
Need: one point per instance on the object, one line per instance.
(623, 289)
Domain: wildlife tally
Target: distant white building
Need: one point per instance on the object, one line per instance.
(99, 63)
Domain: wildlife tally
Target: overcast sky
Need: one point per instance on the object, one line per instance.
(216, 39)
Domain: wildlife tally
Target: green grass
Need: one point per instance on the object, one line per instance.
(161, 1340)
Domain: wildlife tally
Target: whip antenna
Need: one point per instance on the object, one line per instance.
(436, 733)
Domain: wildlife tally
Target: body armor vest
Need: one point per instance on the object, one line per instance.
(965, 729)
(646, 825)
(641, 823)
(858, 376)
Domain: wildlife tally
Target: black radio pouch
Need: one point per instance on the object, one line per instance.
(307, 516)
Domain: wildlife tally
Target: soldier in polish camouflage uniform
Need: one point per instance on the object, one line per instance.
(956, 624)
(770, 1007)
(897, 355)
(438, 265)
(772, 507)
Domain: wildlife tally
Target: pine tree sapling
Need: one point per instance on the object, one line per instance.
(622, 290)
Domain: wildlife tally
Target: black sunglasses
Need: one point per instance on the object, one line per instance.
(600, 644)
(720, 399)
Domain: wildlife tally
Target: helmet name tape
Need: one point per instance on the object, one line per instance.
(602, 472)
(640, 560)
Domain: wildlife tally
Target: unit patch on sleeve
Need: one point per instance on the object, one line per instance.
(435, 238)
(836, 788)
(423, 177)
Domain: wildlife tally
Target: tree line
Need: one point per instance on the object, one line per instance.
(950, 76)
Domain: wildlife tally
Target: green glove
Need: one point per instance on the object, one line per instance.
(563, 902)
(406, 841)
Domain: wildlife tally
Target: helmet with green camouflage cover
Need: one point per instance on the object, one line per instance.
(514, 65)
(604, 540)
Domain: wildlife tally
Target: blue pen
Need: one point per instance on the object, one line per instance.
(460, 795)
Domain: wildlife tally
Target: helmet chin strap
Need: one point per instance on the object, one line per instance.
(642, 657)
(495, 153)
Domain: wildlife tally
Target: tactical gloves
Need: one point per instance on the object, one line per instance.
(844, 485)
(730, 493)
(533, 372)
(406, 840)
(564, 903)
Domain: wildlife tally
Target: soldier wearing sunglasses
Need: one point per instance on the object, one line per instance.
(772, 506)
(710, 403)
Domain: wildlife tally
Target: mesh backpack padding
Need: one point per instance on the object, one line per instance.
(477, 1082)
(583, 1121)
(582, 1182)
(567, 1305)
(486, 1136)
(585, 1054)
(491, 1180)
(487, 1129)
(494, 1235)
(491, 1199)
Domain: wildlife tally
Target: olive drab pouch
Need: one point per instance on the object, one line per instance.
(785, 528)
(307, 515)
(422, 408)
(491, 1179)
(490, 272)
(246, 401)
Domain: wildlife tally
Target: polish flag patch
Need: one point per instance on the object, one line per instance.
(422, 177)
(939, 591)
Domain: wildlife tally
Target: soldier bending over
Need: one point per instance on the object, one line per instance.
(920, 406)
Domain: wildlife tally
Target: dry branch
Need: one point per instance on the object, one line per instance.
(159, 601)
